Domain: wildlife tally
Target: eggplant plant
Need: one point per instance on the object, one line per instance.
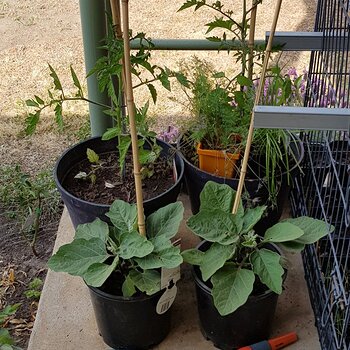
(98, 250)
(239, 257)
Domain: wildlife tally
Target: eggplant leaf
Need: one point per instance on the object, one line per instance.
(95, 229)
(214, 226)
(266, 264)
(132, 244)
(215, 258)
(165, 221)
(282, 232)
(75, 258)
(98, 273)
(313, 229)
(123, 216)
(231, 288)
(147, 281)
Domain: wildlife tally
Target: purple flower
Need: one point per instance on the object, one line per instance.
(171, 135)
(292, 72)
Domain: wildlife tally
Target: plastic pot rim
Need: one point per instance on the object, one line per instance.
(120, 298)
(99, 205)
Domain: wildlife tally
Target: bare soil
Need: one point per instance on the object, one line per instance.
(18, 267)
(118, 187)
(35, 33)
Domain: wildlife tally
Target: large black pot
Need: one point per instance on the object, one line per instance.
(82, 211)
(249, 324)
(129, 323)
(195, 179)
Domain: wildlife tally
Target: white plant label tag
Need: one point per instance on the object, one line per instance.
(168, 275)
(166, 300)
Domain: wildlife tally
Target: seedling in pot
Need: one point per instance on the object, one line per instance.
(95, 164)
(238, 256)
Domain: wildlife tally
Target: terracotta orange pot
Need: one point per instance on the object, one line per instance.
(220, 163)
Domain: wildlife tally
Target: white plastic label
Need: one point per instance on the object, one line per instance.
(166, 300)
(168, 275)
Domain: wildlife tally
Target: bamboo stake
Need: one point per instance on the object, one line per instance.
(131, 110)
(257, 98)
(251, 38)
(115, 6)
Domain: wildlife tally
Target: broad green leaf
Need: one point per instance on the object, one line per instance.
(128, 287)
(231, 288)
(111, 133)
(215, 258)
(123, 147)
(193, 256)
(160, 243)
(165, 221)
(214, 226)
(132, 244)
(266, 264)
(92, 156)
(244, 81)
(96, 229)
(282, 232)
(169, 258)
(251, 217)
(147, 281)
(123, 216)
(98, 273)
(313, 229)
(76, 257)
(5, 338)
(292, 246)
(217, 196)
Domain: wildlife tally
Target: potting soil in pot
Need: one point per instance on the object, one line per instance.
(109, 184)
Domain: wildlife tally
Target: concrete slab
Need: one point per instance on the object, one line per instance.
(65, 317)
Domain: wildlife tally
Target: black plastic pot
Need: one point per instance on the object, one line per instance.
(82, 211)
(129, 323)
(249, 324)
(196, 178)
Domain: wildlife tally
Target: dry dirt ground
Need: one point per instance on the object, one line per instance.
(35, 33)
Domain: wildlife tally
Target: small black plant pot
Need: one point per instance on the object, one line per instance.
(82, 211)
(249, 324)
(129, 323)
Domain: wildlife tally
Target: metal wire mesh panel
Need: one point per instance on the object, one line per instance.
(322, 189)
